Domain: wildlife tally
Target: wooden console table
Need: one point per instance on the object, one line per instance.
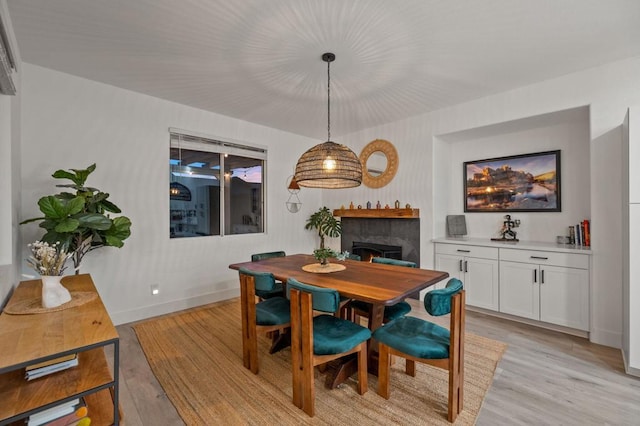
(30, 339)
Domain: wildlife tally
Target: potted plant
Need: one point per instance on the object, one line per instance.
(79, 223)
(327, 226)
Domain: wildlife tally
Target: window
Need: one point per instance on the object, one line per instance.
(215, 188)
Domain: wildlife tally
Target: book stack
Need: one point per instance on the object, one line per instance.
(51, 366)
(70, 413)
(580, 234)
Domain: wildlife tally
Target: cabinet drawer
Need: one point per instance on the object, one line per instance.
(467, 251)
(569, 260)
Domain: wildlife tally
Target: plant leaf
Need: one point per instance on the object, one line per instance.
(75, 205)
(110, 207)
(52, 207)
(67, 225)
(63, 174)
(94, 221)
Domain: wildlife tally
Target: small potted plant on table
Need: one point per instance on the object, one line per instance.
(327, 226)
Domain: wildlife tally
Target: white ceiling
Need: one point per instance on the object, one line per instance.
(259, 60)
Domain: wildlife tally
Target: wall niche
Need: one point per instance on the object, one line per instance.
(566, 130)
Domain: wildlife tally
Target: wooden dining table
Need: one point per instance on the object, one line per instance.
(378, 284)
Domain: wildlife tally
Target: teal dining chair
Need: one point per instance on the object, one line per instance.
(418, 340)
(318, 339)
(361, 309)
(278, 289)
(271, 316)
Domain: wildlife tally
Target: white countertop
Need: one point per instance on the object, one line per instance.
(522, 245)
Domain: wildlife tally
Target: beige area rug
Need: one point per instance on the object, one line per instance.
(197, 357)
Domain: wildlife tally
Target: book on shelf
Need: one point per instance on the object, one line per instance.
(587, 232)
(51, 362)
(46, 416)
(34, 371)
(572, 235)
(79, 417)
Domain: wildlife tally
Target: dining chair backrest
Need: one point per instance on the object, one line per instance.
(323, 299)
(397, 262)
(264, 281)
(268, 255)
(438, 302)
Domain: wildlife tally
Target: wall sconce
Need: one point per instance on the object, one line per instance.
(293, 203)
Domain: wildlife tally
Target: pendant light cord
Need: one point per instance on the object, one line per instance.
(328, 101)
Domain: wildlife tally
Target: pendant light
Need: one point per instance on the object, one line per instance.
(329, 165)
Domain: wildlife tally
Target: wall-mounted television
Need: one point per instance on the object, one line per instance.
(518, 183)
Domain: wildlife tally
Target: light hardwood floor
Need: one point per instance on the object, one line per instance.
(544, 378)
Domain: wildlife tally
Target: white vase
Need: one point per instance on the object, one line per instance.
(53, 292)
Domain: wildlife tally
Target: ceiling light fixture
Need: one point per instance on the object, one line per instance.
(329, 165)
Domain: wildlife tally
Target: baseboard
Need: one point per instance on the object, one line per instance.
(145, 312)
(629, 370)
(606, 338)
(545, 325)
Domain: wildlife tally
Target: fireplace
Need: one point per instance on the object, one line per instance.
(403, 233)
(368, 250)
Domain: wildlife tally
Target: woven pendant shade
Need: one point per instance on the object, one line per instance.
(329, 165)
(312, 170)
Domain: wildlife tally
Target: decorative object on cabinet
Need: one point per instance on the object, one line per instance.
(518, 183)
(81, 222)
(506, 231)
(456, 225)
(49, 261)
(379, 160)
(293, 202)
(329, 165)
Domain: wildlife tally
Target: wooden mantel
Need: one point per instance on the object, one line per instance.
(378, 213)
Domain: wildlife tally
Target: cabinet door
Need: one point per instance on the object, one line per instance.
(519, 291)
(481, 283)
(564, 296)
(448, 263)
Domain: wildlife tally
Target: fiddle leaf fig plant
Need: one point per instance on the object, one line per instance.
(80, 222)
(327, 226)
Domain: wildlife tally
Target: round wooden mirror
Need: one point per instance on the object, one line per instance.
(379, 163)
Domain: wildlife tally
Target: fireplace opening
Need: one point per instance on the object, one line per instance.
(368, 250)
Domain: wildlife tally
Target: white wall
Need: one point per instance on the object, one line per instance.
(69, 122)
(607, 90)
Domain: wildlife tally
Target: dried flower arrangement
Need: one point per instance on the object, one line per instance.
(48, 259)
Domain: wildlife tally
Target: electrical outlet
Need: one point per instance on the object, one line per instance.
(155, 290)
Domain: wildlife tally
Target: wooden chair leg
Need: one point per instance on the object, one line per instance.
(454, 396)
(363, 384)
(410, 367)
(249, 332)
(384, 362)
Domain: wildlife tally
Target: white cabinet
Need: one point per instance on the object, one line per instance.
(476, 267)
(545, 286)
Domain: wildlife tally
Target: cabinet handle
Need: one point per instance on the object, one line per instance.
(542, 276)
(465, 266)
(463, 251)
(539, 257)
(460, 266)
(535, 275)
